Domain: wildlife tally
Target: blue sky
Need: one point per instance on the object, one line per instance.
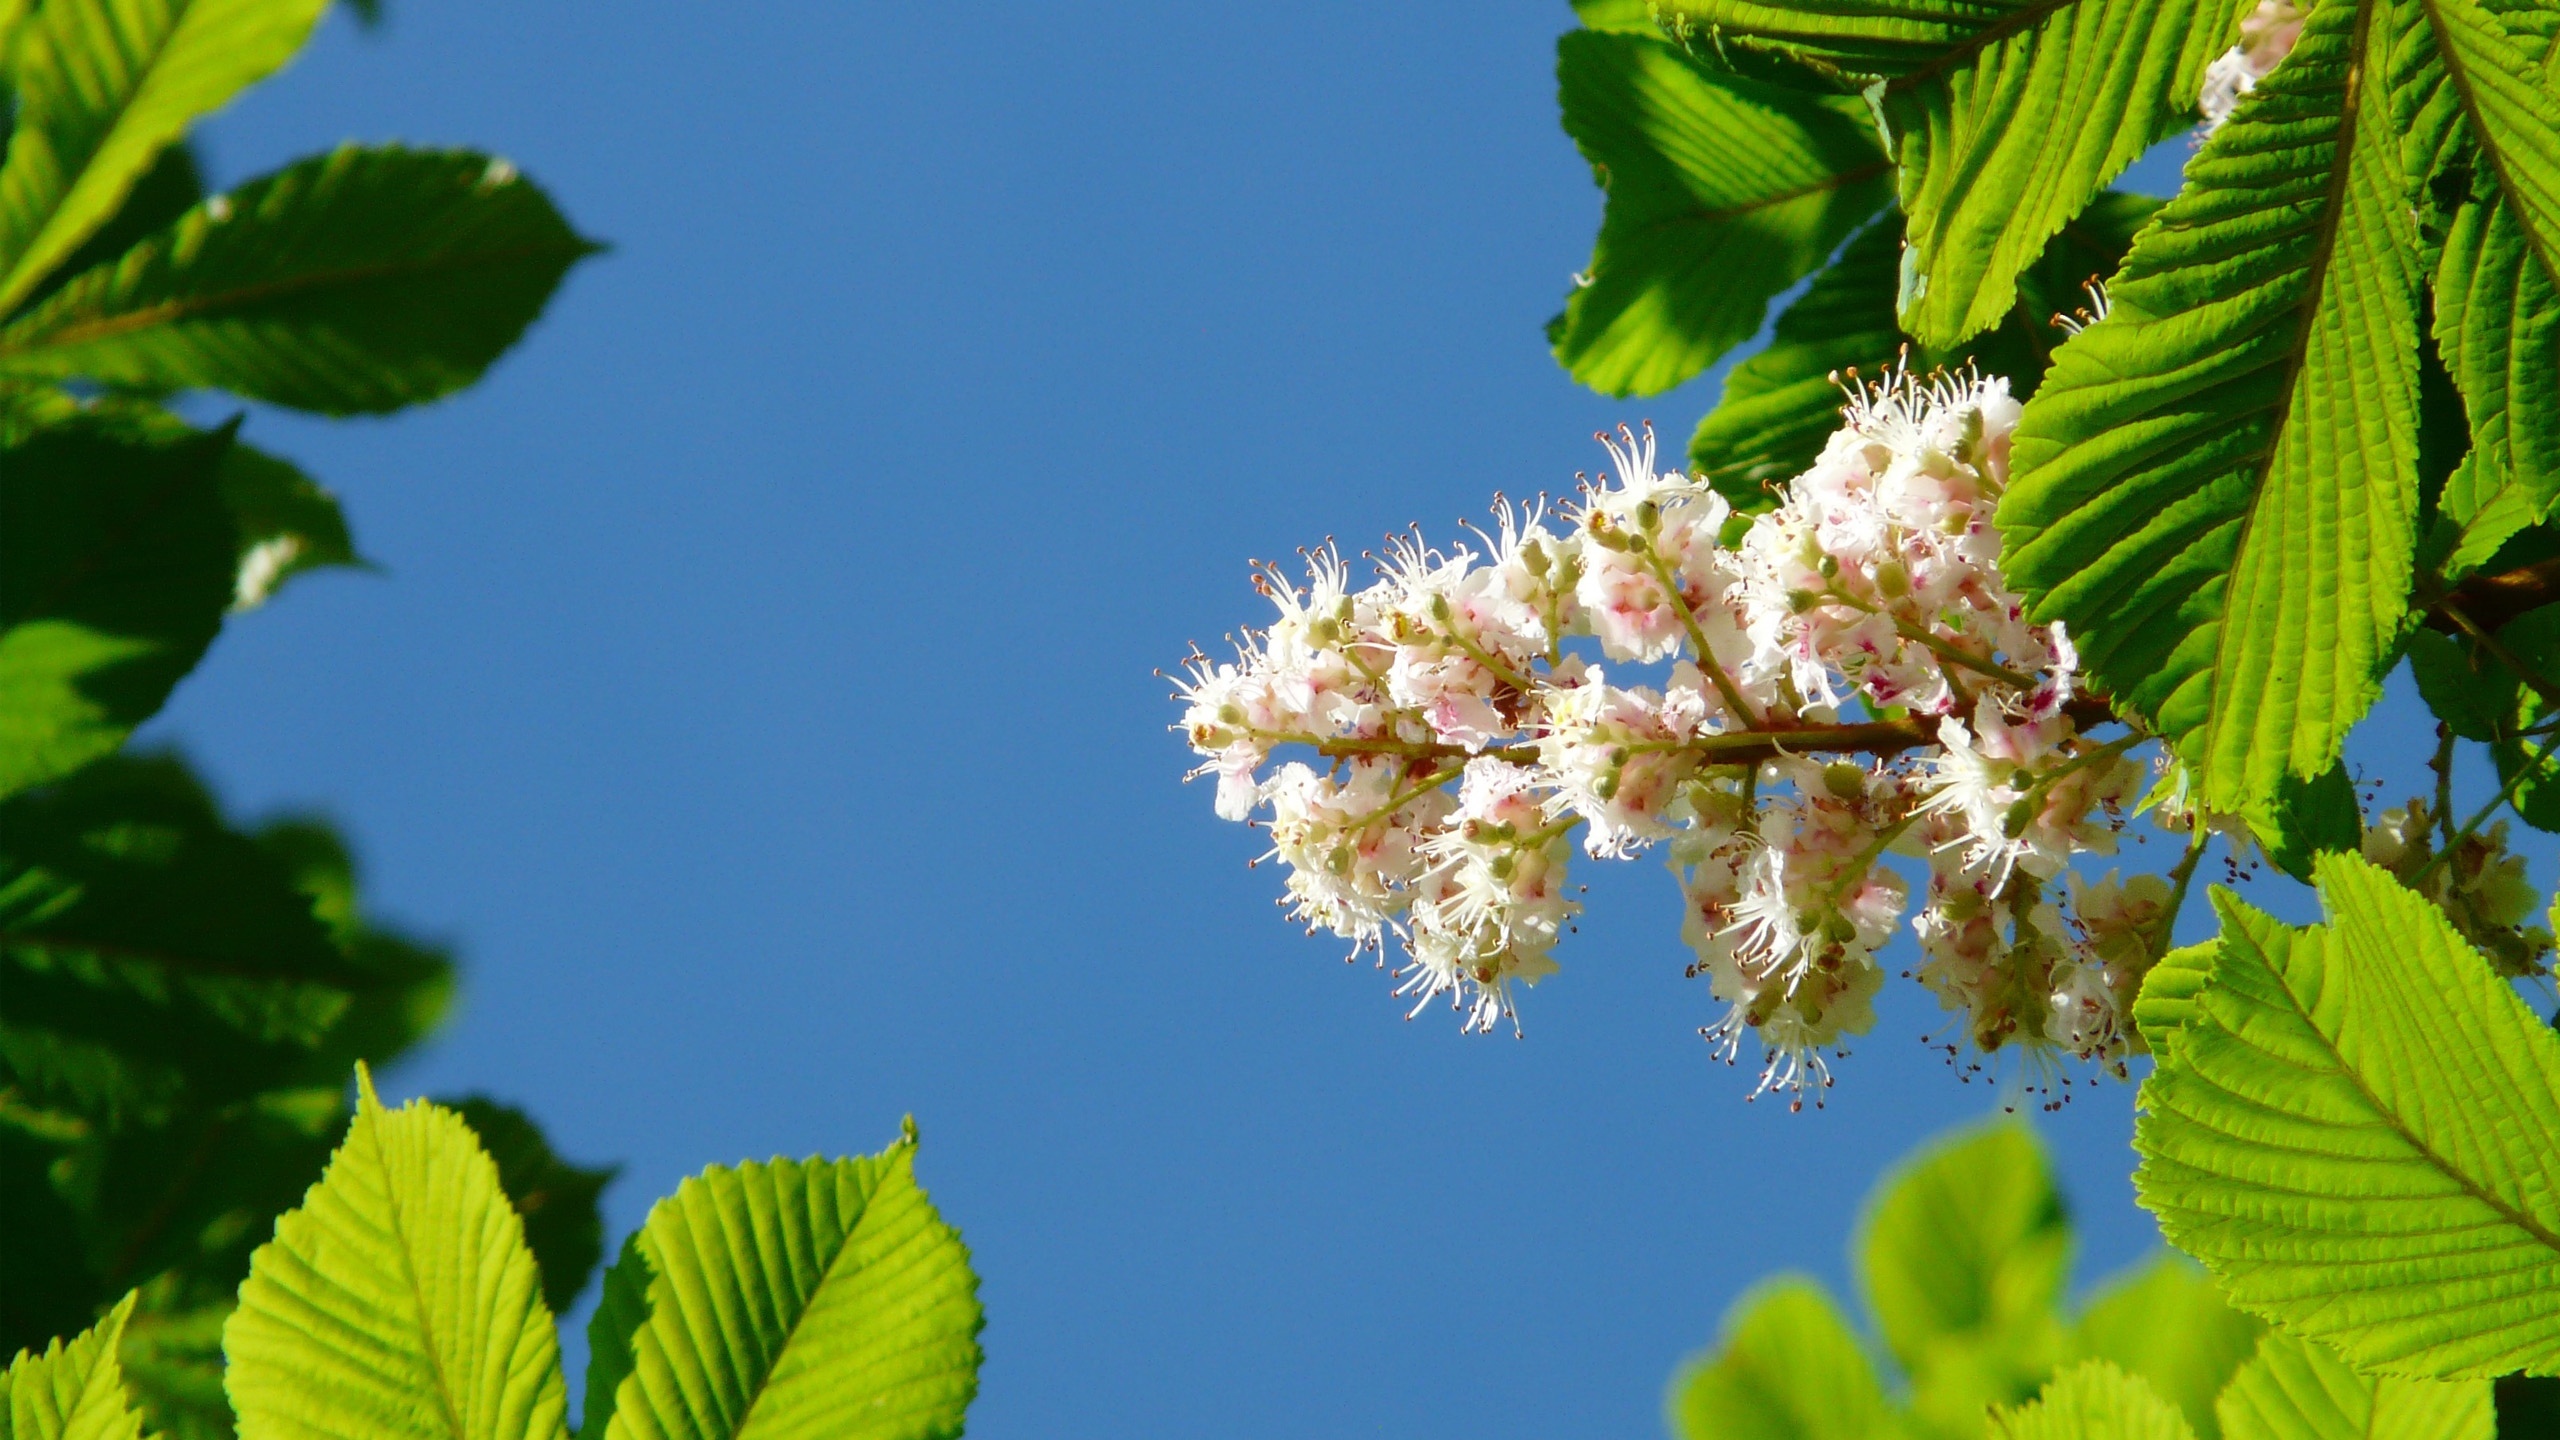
(760, 691)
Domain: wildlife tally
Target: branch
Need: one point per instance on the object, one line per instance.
(1736, 747)
(2492, 600)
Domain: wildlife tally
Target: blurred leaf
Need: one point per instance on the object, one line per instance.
(556, 1200)
(72, 1391)
(151, 952)
(2164, 1324)
(2355, 1129)
(399, 1298)
(2092, 1400)
(786, 1301)
(1722, 192)
(103, 86)
(2217, 486)
(1781, 404)
(1633, 17)
(169, 189)
(1789, 1369)
(2005, 119)
(2296, 1390)
(1964, 1258)
(363, 280)
(49, 1293)
(117, 560)
(172, 1357)
(287, 524)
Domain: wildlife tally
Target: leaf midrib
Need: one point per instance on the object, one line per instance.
(2332, 946)
(188, 307)
(16, 284)
(2350, 116)
(409, 1272)
(2460, 76)
(2023, 18)
(764, 1382)
(1836, 180)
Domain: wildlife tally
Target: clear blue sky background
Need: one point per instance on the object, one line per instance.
(760, 690)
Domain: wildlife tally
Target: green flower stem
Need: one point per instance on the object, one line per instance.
(1698, 641)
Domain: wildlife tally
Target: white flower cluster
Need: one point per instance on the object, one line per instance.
(1838, 679)
(2266, 36)
(2479, 884)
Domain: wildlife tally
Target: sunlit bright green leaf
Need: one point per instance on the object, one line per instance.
(399, 1300)
(2357, 1129)
(1788, 1368)
(788, 1300)
(2217, 486)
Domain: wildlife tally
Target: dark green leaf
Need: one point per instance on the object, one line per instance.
(2005, 117)
(148, 953)
(362, 280)
(1781, 404)
(1723, 191)
(117, 560)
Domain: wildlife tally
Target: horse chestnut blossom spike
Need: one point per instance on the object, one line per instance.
(1818, 713)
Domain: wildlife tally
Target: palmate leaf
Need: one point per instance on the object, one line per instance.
(74, 1390)
(102, 87)
(2165, 1325)
(1781, 403)
(399, 1300)
(1723, 191)
(2295, 1389)
(362, 280)
(2216, 489)
(2092, 1400)
(785, 1300)
(2356, 1127)
(1789, 1368)
(117, 560)
(2005, 117)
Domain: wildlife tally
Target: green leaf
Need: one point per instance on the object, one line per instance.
(399, 1300)
(2296, 1390)
(1963, 1258)
(362, 280)
(2357, 1130)
(148, 952)
(1722, 192)
(103, 87)
(2005, 118)
(556, 1200)
(2163, 1324)
(2092, 1400)
(1789, 1368)
(2302, 818)
(1781, 404)
(2167, 998)
(173, 1367)
(73, 1391)
(50, 1292)
(2497, 325)
(117, 560)
(2217, 486)
(788, 1299)
(288, 525)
